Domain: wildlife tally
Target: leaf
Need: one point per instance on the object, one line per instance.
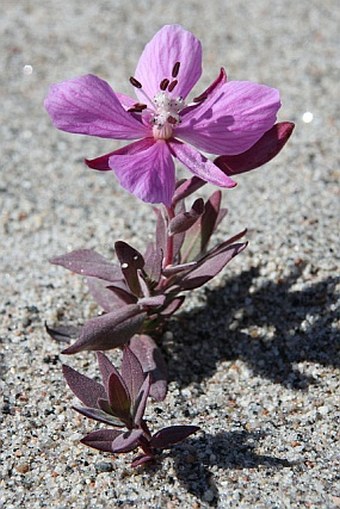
(110, 330)
(88, 263)
(153, 263)
(186, 188)
(141, 460)
(119, 398)
(130, 261)
(86, 389)
(184, 220)
(128, 441)
(105, 298)
(222, 246)
(99, 415)
(101, 439)
(140, 403)
(122, 294)
(209, 267)
(132, 373)
(106, 367)
(152, 361)
(198, 236)
(172, 270)
(271, 143)
(62, 333)
(209, 218)
(171, 435)
(154, 301)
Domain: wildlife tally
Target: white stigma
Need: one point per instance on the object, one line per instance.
(166, 115)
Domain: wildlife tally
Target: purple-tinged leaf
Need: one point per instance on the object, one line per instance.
(141, 400)
(106, 367)
(110, 330)
(153, 263)
(184, 220)
(86, 389)
(177, 246)
(209, 218)
(127, 442)
(221, 215)
(141, 460)
(88, 263)
(101, 439)
(167, 437)
(172, 270)
(178, 239)
(186, 188)
(223, 245)
(122, 294)
(155, 301)
(105, 298)
(173, 306)
(103, 404)
(198, 236)
(132, 373)
(119, 397)
(271, 143)
(152, 361)
(209, 267)
(144, 287)
(128, 254)
(130, 261)
(62, 333)
(99, 415)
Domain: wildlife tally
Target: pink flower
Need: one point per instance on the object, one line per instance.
(227, 119)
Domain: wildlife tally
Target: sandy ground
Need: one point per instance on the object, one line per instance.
(253, 357)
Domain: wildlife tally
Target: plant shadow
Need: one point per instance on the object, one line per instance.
(271, 327)
(225, 450)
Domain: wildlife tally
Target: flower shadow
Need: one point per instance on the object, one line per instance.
(271, 329)
(228, 451)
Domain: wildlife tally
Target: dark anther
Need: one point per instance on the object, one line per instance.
(163, 84)
(172, 85)
(135, 82)
(171, 120)
(175, 70)
(137, 108)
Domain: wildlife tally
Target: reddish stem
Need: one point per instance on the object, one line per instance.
(170, 240)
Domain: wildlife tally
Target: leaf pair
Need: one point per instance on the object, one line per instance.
(120, 401)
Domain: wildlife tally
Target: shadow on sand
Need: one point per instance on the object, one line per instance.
(233, 323)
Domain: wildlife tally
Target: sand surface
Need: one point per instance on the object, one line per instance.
(253, 357)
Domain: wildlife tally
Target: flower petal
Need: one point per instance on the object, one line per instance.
(146, 169)
(231, 119)
(169, 45)
(88, 105)
(199, 165)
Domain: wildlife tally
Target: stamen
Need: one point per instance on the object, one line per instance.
(172, 85)
(175, 70)
(135, 83)
(163, 84)
(137, 108)
(172, 120)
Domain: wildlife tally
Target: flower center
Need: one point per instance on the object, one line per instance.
(166, 115)
(166, 108)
